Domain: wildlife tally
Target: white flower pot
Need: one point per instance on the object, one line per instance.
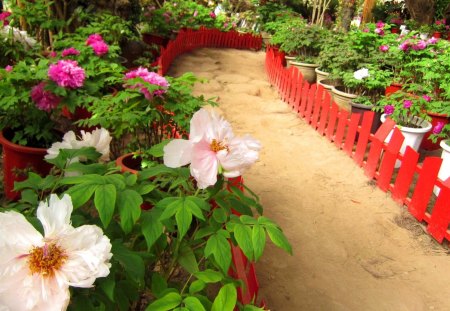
(413, 136)
(444, 171)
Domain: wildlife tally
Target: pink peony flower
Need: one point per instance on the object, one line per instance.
(9, 68)
(419, 46)
(379, 31)
(427, 98)
(70, 51)
(366, 30)
(94, 38)
(150, 77)
(432, 40)
(404, 46)
(407, 104)
(384, 48)
(4, 17)
(195, 13)
(212, 148)
(438, 128)
(100, 48)
(389, 109)
(212, 15)
(379, 24)
(67, 73)
(44, 100)
(53, 54)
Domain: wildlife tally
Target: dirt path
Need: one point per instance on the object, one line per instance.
(354, 248)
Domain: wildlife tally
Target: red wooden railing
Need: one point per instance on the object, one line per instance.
(188, 40)
(414, 182)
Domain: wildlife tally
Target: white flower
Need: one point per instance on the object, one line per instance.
(356, 22)
(211, 148)
(361, 74)
(99, 139)
(36, 271)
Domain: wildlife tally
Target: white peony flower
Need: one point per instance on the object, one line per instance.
(36, 271)
(361, 74)
(211, 148)
(98, 138)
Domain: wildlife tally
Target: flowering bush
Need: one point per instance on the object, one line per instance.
(440, 25)
(440, 130)
(169, 253)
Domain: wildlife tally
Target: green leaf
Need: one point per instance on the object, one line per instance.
(108, 285)
(105, 201)
(209, 276)
(193, 304)
(218, 246)
(168, 302)
(196, 286)
(258, 241)
(184, 219)
(81, 193)
(252, 308)
(171, 206)
(226, 299)
(131, 179)
(243, 236)
(151, 227)
(181, 309)
(159, 284)
(130, 261)
(195, 207)
(278, 238)
(129, 204)
(247, 220)
(220, 215)
(145, 188)
(187, 259)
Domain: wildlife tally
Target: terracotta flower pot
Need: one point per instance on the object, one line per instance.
(18, 161)
(394, 87)
(427, 144)
(341, 97)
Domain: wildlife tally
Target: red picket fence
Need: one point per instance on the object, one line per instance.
(412, 184)
(187, 40)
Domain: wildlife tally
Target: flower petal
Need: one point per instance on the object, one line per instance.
(205, 165)
(178, 153)
(55, 214)
(17, 233)
(243, 152)
(100, 140)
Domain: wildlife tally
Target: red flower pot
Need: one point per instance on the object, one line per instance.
(394, 87)
(437, 34)
(155, 39)
(18, 161)
(395, 30)
(427, 144)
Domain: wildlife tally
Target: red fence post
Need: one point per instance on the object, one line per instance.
(363, 137)
(440, 216)
(389, 158)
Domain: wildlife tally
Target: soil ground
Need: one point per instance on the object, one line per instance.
(354, 248)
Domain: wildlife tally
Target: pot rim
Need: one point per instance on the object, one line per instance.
(304, 64)
(341, 93)
(445, 144)
(423, 129)
(19, 148)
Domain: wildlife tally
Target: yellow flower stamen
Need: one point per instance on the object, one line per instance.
(46, 259)
(216, 146)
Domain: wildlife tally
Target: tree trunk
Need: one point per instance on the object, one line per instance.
(367, 11)
(347, 12)
(421, 11)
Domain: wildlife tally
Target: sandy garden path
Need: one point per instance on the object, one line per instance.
(354, 248)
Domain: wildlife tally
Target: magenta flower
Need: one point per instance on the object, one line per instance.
(432, 40)
(212, 15)
(384, 48)
(70, 51)
(438, 128)
(380, 24)
(427, 98)
(195, 13)
(4, 17)
(366, 30)
(150, 77)
(94, 38)
(9, 68)
(67, 73)
(53, 54)
(379, 31)
(404, 46)
(420, 45)
(406, 104)
(100, 48)
(389, 109)
(44, 100)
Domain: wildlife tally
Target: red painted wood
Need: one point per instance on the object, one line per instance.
(294, 87)
(239, 264)
(318, 103)
(405, 175)
(304, 99)
(424, 187)
(363, 137)
(332, 121)
(342, 122)
(440, 216)
(299, 92)
(310, 102)
(389, 158)
(351, 134)
(326, 103)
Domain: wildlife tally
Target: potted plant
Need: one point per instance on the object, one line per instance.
(441, 132)
(112, 254)
(439, 27)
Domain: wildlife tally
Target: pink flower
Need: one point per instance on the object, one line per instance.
(366, 30)
(212, 148)
(420, 45)
(9, 68)
(70, 51)
(4, 17)
(438, 128)
(212, 15)
(225, 25)
(379, 31)
(379, 24)
(44, 100)
(93, 38)
(195, 13)
(432, 40)
(53, 54)
(100, 48)
(427, 98)
(67, 73)
(389, 109)
(407, 104)
(404, 46)
(150, 77)
(384, 48)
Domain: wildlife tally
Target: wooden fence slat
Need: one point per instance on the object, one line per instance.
(389, 158)
(304, 99)
(326, 103)
(424, 187)
(318, 103)
(440, 216)
(405, 175)
(294, 85)
(363, 137)
(299, 92)
(340, 132)
(310, 102)
(351, 133)
(332, 121)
